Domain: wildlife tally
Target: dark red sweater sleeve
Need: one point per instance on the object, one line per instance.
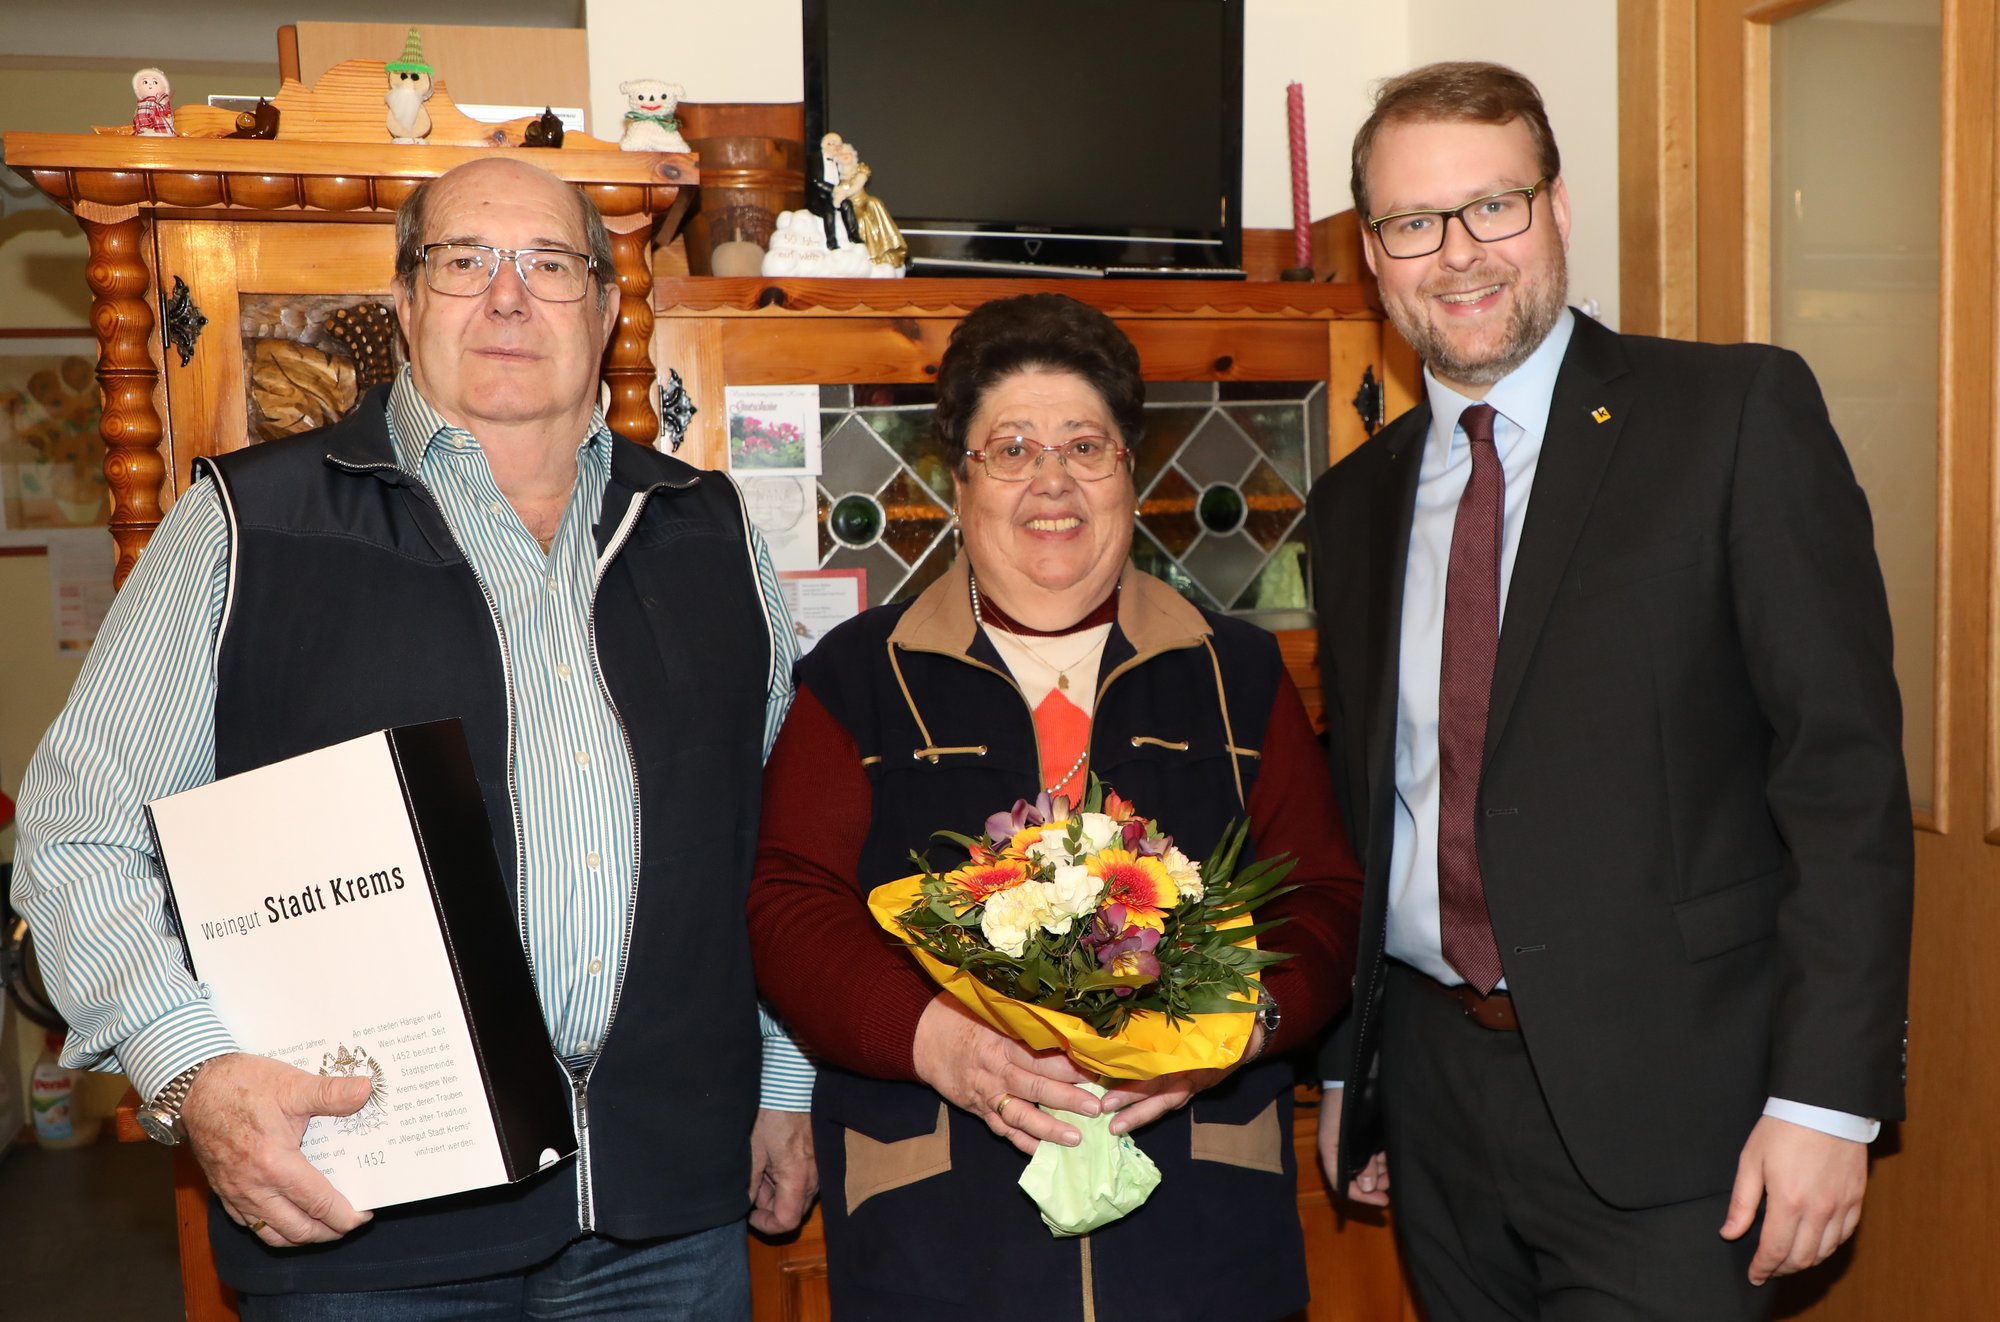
(1293, 811)
(845, 989)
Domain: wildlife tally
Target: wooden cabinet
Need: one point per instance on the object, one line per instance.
(188, 234)
(742, 331)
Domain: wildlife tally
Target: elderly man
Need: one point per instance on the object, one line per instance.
(1606, 653)
(471, 542)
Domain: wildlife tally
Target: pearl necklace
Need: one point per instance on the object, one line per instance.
(1062, 676)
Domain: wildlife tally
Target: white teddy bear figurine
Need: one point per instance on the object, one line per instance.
(650, 122)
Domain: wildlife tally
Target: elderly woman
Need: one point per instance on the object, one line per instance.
(1041, 656)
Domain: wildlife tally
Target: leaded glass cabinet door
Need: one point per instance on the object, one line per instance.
(1222, 472)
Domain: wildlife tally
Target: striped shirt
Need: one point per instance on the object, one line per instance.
(140, 725)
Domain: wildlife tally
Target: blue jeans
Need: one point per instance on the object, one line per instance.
(703, 1277)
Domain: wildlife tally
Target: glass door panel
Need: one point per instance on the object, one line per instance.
(1855, 221)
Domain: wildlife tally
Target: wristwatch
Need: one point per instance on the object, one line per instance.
(1267, 1015)
(161, 1117)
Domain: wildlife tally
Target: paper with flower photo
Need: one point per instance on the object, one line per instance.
(773, 429)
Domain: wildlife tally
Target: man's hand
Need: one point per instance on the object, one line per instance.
(783, 1176)
(1371, 1184)
(996, 1078)
(1142, 1101)
(245, 1117)
(1813, 1183)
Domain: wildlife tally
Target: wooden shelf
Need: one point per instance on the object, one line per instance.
(110, 177)
(1303, 300)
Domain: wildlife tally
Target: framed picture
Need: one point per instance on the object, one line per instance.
(51, 456)
(818, 599)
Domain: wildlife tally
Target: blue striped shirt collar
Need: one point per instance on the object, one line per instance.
(414, 426)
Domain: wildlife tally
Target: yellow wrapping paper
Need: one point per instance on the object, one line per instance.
(1148, 1046)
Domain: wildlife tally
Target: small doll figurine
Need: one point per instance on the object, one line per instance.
(837, 218)
(877, 230)
(153, 117)
(410, 82)
(650, 122)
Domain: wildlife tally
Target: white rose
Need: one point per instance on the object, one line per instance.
(1013, 915)
(1100, 832)
(1051, 851)
(1072, 894)
(1184, 871)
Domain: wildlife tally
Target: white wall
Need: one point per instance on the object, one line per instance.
(751, 51)
(1335, 52)
(1570, 49)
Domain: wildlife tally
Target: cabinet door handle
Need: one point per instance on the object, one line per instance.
(184, 321)
(1368, 400)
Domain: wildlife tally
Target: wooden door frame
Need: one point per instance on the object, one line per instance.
(1694, 226)
(1688, 257)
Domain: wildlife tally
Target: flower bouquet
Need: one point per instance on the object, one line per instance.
(1088, 931)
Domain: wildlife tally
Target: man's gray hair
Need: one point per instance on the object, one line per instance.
(410, 238)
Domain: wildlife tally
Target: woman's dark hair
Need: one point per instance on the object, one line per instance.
(1049, 331)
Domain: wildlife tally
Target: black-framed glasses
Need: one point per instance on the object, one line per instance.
(466, 270)
(1489, 219)
(1015, 458)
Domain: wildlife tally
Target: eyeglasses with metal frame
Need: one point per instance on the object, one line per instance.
(466, 270)
(1489, 219)
(1017, 458)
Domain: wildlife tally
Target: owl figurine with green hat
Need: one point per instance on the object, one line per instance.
(410, 82)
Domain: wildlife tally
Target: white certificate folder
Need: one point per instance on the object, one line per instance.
(346, 912)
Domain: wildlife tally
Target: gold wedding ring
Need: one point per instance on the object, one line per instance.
(255, 1224)
(1000, 1107)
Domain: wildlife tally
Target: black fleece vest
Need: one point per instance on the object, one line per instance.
(353, 609)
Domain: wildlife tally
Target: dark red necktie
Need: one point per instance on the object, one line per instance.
(1465, 688)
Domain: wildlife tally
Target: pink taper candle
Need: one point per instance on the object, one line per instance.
(1295, 111)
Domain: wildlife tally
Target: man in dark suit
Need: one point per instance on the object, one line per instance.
(1607, 667)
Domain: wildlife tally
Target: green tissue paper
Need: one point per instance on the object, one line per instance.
(1089, 1186)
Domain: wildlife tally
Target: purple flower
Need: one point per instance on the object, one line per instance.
(1004, 826)
(1122, 947)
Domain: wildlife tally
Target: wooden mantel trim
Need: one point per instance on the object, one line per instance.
(917, 296)
(109, 178)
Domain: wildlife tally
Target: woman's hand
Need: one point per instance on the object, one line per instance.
(1140, 1102)
(996, 1078)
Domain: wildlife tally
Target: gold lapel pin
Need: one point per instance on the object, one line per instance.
(1601, 414)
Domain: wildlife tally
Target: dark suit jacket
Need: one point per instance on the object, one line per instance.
(1694, 824)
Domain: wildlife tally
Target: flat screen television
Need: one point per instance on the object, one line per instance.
(1078, 137)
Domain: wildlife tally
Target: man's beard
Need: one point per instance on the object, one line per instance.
(1537, 306)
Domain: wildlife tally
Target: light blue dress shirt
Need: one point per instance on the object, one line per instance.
(140, 725)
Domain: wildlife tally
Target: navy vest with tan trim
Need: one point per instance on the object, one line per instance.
(352, 609)
(1178, 728)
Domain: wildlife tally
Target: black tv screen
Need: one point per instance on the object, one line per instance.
(1097, 134)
